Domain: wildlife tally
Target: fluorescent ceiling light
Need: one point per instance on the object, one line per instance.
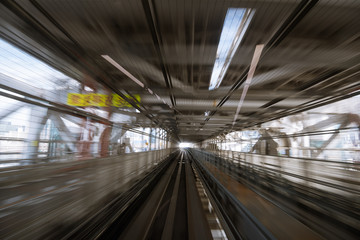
(150, 91)
(235, 25)
(123, 70)
(88, 89)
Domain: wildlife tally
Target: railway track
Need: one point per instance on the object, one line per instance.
(167, 204)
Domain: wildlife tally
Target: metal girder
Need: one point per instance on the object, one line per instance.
(293, 19)
(151, 15)
(332, 120)
(7, 109)
(76, 55)
(143, 67)
(309, 60)
(64, 132)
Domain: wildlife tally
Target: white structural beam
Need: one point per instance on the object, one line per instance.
(38, 118)
(64, 132)
(7, 109)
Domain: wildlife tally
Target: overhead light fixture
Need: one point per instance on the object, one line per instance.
(235, 25)
(123, 70)
(88, 89)
(150, 91)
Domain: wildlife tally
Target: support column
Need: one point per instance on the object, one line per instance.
(38, 118)
(150, 138)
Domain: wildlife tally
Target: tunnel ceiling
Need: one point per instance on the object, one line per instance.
(310, 56)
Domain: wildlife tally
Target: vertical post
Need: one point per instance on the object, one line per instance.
(142, 141)
(86, 138)
(158, 138)
(105, 141)
(150, 138)
(167, 141)
(157, 143)
(163, 138)
(38, 120)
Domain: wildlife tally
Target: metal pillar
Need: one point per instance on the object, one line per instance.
(38, 116)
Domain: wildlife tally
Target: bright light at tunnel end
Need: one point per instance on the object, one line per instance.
(186, 145)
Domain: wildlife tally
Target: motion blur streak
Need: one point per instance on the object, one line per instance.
(181, 119)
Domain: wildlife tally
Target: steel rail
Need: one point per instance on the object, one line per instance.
(139, 227)
(241, 223)
(198, 227)
(155, 207)
(169, 223)
(162, 215)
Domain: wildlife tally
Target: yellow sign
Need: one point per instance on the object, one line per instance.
(76, 99)
(118, 101)
(99, 100)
